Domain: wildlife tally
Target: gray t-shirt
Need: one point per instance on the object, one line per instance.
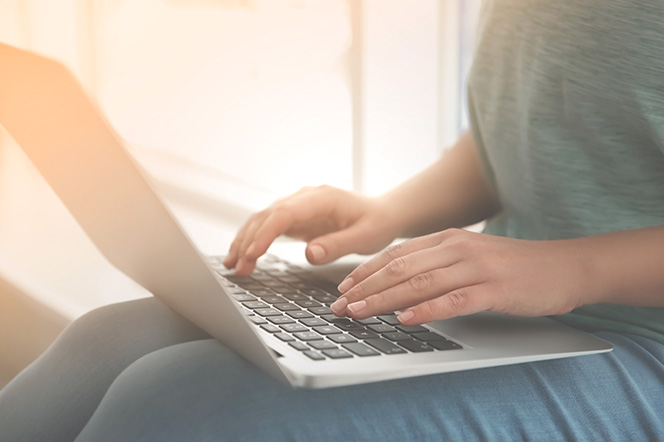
(566, 104)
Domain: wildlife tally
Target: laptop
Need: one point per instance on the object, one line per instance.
(48, 114)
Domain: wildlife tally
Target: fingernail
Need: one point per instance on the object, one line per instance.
(357, 307)
(317, 252)
(339, 305)
(345, 285)
(405, 316)
(251, 249)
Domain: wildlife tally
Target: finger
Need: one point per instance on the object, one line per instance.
(402, 269)
(276, 224)
(332, 246)
(419, 288)
(245, 264)
(231, 259)
(459, 302)
(393, 252)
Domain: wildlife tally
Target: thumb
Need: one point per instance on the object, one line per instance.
(327, 248)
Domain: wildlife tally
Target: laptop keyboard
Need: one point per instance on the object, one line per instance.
(294, 305)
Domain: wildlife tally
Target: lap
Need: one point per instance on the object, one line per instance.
(65, 385)
(203, 391)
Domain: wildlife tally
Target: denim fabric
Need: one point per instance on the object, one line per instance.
(197, 390)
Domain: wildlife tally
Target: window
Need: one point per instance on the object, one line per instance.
(269, 94)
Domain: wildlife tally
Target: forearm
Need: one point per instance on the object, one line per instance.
(453, 192)
(624, 267)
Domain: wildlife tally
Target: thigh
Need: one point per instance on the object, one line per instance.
(55, 396)
(201, 391)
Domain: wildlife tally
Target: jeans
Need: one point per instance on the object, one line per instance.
(137, 371)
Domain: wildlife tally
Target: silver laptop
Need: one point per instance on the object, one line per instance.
(278, 318)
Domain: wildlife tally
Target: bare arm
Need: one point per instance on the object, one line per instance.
(334, 222)
(453, 192)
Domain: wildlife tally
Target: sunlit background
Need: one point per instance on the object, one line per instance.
(227, 104)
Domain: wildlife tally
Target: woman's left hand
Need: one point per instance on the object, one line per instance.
(457, 272)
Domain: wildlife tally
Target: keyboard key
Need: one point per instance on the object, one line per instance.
(397, 336)
(314, 355)
(286, 306)
(244, 297)
(342, 323)
(268, 311)
(280, 320)
(308, 303)
(255, 304)
(428, 336)
(275, 299)
(293, 296)
(284, 337)
(239, 279)
(329, 286)
(322, 345)
(415, 346)
(327, 330)
(385, 346)
(349, 326)
(292, 328)
(381, 328)
(412, 328)
(313, 292)
(320, 310)
(325, 299)
(360, 349)
(300, 285)
(341, 339)
(280, 287)
(299, 345)
(253, 287)
(235, 291)
(262, 292)
(313, 322)
(299, 314)
(363, 334)
(263, 278)
(289, 278)
(390, 319)
(257, 320)
(307, 336)
(368, 321)
(337, 354)
(270, 328)
(444, 345)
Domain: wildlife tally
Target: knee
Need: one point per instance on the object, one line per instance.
(193, 389)
(128, 330)
(100, 326)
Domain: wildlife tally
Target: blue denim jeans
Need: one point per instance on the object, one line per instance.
(137, 371)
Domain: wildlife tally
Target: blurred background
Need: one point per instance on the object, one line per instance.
(228, 104)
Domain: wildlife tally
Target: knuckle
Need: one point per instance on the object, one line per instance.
(449, 233)
(421, 281)
(457, 300)
(396, 267)
(394, 251)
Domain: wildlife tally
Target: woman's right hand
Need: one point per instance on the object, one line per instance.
(334, 222)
